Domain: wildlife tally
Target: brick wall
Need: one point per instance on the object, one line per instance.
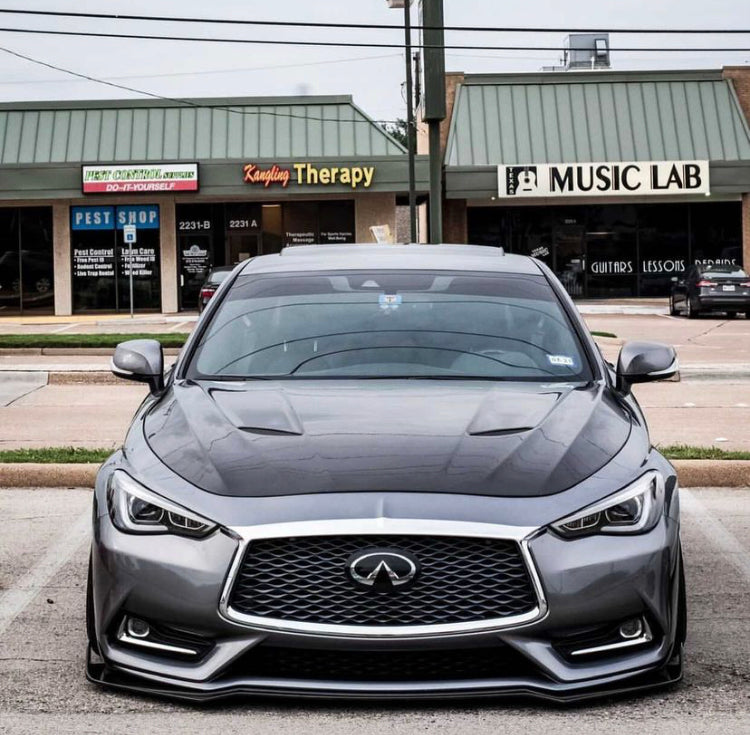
(740, 76)
(746, 231)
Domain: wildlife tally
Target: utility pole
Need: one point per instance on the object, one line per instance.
(434, 112)
(411, 137)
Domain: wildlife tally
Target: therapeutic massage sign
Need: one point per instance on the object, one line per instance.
(308, 174)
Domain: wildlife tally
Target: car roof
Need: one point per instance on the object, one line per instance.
(403, 257)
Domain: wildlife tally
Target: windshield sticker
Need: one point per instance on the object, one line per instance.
(561, 361)
(390, 300)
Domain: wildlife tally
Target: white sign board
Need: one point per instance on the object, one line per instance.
(614, 179)
(140, 178)
(130, 234)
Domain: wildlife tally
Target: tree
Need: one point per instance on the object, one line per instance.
(397, 130)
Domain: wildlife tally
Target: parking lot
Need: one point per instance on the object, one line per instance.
(43, 554)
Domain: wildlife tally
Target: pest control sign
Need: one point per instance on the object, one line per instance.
(621, 178)
(143, 178)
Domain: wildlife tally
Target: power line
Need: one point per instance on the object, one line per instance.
(234, 70)
(347, 44)
(185, 102)
(364, 26)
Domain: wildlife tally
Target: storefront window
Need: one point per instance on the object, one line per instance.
(101, 259)
(611, 251)
(26, 260)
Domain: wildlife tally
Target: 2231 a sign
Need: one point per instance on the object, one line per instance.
(622, 178)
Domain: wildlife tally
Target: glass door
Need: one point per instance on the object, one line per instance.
(570, 259)
(196, 260)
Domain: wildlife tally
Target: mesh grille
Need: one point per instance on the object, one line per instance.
(395, 666)
(304, 579)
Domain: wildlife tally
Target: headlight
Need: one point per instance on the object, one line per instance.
(134, 509)
(636, 509)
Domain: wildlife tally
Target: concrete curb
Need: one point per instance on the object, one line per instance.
(692, 473)
(47, 475)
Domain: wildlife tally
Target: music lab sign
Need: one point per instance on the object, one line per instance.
(614, 179)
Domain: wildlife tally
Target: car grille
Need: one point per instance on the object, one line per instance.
(396, 666)
(304, 579)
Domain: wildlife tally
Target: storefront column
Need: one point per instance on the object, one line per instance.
(454, 221)
(61, 259)
(168, 236)
(374, 209)
(746, 231)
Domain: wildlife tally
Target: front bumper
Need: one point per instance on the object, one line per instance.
(583, 584)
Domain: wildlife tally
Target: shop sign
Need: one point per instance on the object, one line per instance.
(141, 178)
(144, 262)
(195, 260)
(93, 262)
(622, 178)
(308, 174)
(144, 217)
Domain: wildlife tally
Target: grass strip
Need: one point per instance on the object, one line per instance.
(604, 334)
(684, 451)
(77, 455)
(36, 341)
(54, 455)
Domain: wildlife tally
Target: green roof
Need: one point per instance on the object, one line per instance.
(566, 117)
(195, 130)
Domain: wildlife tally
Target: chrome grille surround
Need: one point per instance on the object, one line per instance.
(381, 527)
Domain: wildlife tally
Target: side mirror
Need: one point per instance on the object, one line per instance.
(141, 360)
(642, 362)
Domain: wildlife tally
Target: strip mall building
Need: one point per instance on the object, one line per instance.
(209, 183)
(618, 180)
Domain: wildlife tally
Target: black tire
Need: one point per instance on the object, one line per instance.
(747, 314)
(731, 315)
(90, 621)
(692, 312)
(682, 614)
(672, 308)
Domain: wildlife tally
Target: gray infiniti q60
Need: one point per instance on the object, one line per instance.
(388, 471)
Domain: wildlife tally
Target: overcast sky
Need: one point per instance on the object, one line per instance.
(372, 76)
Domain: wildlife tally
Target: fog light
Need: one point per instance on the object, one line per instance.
(632, 629)
(138, 628)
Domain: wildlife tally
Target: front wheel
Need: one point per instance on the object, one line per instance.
(692, 312)
(672, 308)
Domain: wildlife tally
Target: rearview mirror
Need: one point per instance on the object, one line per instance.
(141, 360)
(643, 362)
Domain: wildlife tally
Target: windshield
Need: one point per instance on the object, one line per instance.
(724, 271)
(390, 325)
(218, 276)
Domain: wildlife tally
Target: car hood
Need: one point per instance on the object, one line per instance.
(271, 438)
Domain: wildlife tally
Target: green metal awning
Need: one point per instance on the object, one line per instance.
(567, 117)
(197, 130)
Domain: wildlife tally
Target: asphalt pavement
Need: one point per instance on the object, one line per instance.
(43, 556)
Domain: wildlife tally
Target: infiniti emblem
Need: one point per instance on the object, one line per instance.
(382, 570)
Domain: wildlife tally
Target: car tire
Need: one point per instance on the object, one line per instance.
(676, 659)
(672, 308)
(747, 315)
(90, 621)
(731, 315)
(692, 312)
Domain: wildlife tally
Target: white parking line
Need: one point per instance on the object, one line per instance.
(716, 532)
(15, 599)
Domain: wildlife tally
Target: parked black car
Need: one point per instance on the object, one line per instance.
(711, 288)
(214, 279)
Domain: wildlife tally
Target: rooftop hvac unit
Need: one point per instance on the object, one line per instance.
(587, 51)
